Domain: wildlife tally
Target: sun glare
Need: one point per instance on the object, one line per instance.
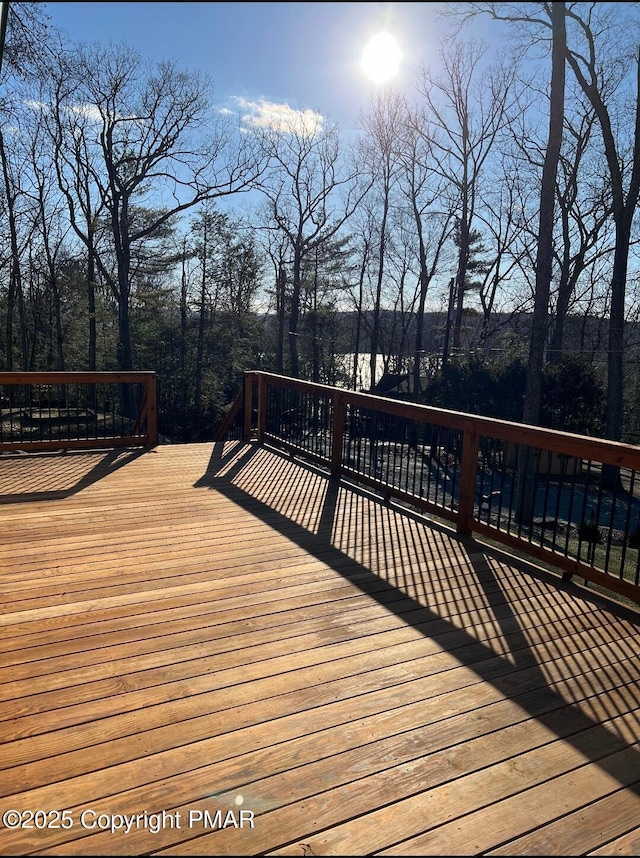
(381, 58)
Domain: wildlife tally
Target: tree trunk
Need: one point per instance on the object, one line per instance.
(9, 323)
(202, 308)
(616, 334)
(280, 306)
(356, 345)
(544, 259)
(91, 305)
(418, 349)
(463, 249)
(375, 330)
(184, 381)
(294, 364)
(58, 323)
(16, 297)
(615, 398)
(565, 288)
(123, 255)
(447, 322)
(422, 300)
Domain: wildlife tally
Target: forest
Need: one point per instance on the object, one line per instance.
(473, 246)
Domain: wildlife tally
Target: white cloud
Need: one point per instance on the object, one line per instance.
(91, 112)
(280, 117)
(87, 111)
(37, 106)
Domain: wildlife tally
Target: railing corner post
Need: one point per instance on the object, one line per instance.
(262, 407)
(152, 410)
(248, 407)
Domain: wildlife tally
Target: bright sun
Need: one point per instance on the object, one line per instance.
(381, 57)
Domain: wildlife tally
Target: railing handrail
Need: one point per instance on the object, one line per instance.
(147, 413)
(573, 444)
(83, 377)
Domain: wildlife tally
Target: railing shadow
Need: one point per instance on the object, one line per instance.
(50, 476)
(434, 580)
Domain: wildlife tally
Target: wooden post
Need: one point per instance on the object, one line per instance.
(152, 411)
(468, 473)
(248, 407)
(339, 410)
(262, 407)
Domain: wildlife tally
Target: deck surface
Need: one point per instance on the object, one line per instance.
(231, 654)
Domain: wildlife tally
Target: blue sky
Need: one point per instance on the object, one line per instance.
(305, 55)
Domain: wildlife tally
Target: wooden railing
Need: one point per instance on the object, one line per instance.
(546, 493)
(77, 410)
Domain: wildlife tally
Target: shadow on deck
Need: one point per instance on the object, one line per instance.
(51, 476)
(357, 679)
(611, 751)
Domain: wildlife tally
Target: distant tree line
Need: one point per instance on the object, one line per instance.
(469, 240)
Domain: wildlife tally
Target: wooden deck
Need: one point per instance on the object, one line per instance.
(208, 628)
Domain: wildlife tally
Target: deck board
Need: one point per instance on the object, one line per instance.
(207, 622)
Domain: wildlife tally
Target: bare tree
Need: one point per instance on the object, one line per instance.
(506, 224)
(584, 205)
(467, 108)
(275, 247)
(624, 169)
(602, 52)
(21, 219)
(23, 55)
(422, 189)
(308, 198)
(51, 230)
(24, 39)
(364, 229)
(77, 165)
(553, 21)
(544, 255)
(146, 135)
(381, 124)
(583, 201)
